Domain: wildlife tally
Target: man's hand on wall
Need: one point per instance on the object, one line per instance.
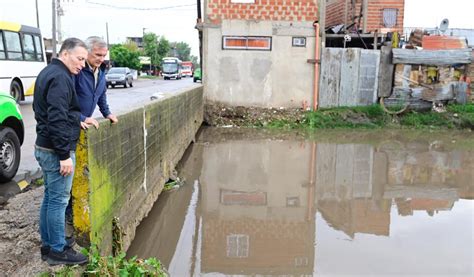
(90, 121)
(113, 119)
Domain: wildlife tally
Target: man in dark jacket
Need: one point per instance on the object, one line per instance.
(91, 85)
(57, 114)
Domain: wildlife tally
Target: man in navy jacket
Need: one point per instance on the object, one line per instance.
(91, 86)
(57, 114)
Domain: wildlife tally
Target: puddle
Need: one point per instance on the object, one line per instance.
(337, 203)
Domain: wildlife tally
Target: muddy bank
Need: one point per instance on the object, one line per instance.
(368, 117)
(220, 115)
(19, 237)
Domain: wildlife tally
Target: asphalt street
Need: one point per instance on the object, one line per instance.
(121, 100)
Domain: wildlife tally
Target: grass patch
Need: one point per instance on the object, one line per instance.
(373, 117)
(149, 77)
(120, 266)
(111, 266)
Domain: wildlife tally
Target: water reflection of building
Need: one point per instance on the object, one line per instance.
(258, 202)
(258, 199)
(356, 183)
(257, 217)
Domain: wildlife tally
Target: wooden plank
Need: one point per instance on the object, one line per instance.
(330, 77)
(386, 72)
(432, 57)
(440, 92)
(368, 77)
(349, 77)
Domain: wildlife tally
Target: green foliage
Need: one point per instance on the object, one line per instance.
(181, 50)
(150, 47)
(131, 45)
(155, 47)
(110, 266)
(370, 117)
(38, 182)
(469, 108)
(195, 61)
(120, 266)
(423, 120)
(124, 57)
(163, 47)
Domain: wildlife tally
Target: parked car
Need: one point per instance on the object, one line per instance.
(197, 75)
(119, 76)
(11, 137)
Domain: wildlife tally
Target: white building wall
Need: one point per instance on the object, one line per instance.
(281, 77)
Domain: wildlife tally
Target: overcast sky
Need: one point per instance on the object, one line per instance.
(126, 18)
(176, 19)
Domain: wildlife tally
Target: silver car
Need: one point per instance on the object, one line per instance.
(119, 76)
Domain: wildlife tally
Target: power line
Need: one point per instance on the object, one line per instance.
(139, 9)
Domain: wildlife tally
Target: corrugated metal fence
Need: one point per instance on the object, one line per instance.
(349, 77)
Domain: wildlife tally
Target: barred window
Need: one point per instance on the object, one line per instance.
(237, 246)
(389, 17)
(246, 43)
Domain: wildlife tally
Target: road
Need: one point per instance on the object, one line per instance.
(121, 100)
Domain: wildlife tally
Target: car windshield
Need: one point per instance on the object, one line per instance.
(117, 70)
(170, 67)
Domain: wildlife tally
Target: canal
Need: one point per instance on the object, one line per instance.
(257, 202)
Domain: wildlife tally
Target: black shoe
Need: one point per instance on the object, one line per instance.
(70, 242)
(69, 219)
(69, 257)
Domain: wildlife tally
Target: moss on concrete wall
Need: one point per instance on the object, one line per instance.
(121, 169)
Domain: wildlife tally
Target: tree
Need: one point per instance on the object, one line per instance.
(163, 47)
(195, 61)
(123, 57)
(150, 48)
(155, 48)
(131, 45)
(181, 50)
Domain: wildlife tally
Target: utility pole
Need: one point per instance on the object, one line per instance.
(107, 32)
(60, 12)
(54, 29)
(37, 15)
(199, 28)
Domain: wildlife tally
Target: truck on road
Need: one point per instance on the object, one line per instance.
(188, 69)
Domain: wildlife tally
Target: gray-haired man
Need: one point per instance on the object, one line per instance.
(91, 86)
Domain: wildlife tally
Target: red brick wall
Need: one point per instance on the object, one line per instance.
(335, 13)
(275, 10)
(374, 19)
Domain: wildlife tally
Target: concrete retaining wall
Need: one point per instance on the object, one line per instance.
(121, 169)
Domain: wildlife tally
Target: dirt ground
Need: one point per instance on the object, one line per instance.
(220, 115)
(19, 237)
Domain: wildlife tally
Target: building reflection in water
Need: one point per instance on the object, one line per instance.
(267, 206)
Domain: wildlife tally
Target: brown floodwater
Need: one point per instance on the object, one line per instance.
(261, 203)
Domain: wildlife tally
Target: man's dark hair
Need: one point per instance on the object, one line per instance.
(71, 43)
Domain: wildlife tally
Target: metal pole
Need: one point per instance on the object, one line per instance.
(54, 30)
(37, 15)
(107, 32)
(58, 19)
(199, 21)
